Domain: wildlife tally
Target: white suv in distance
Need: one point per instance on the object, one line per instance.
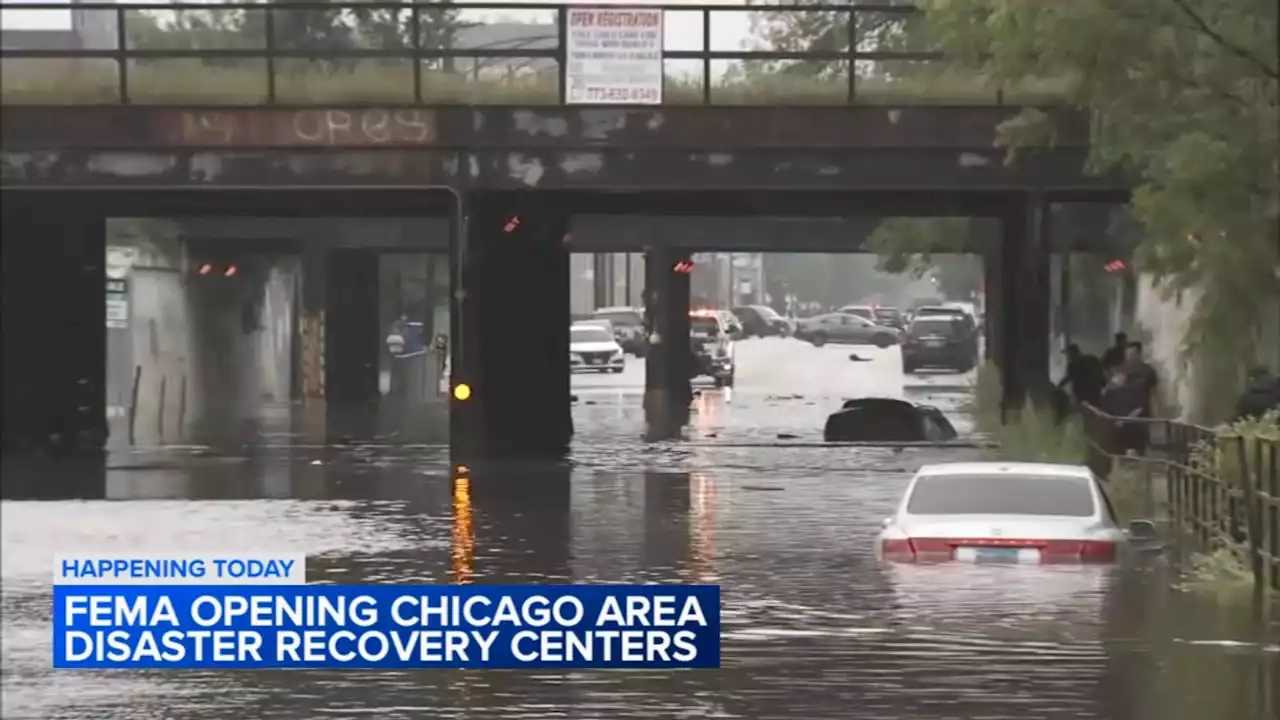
(593, 348)
(711, 334)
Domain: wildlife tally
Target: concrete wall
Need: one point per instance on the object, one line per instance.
(1166, 319)
(160, 345)
(207, 359)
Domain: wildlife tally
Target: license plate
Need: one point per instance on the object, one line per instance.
(596, 361)
(933, 343)
(998, 555)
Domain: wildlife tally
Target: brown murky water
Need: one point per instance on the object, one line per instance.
(814, 627)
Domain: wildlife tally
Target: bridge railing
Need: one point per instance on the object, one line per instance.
(293, 52)
(1218, 488)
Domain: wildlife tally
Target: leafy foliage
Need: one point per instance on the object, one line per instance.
(294, 28)
(1183, 94)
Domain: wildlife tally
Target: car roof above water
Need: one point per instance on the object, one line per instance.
(1021, 469)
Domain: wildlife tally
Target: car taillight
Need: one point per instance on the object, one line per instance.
(898, 549)
(919, 549)
(1079, 550)
(1087, 551)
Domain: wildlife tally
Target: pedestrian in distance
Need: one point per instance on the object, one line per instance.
(1085, 376)
(1114, 355)
(1261, 395)
(1123, 400)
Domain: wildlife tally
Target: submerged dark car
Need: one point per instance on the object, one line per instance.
(887, 420)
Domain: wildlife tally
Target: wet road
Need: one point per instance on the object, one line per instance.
(814, 627)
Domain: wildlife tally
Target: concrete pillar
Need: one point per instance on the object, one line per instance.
(993, 305)
(311, 307)
(668, 363)
(1023, 352)
(54, 329)
(353, 340)
(511, 335)
(600, 279)
(1037, 301)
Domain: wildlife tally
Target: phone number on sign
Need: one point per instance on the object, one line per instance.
(627, 94)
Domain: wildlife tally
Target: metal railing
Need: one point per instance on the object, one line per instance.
(1220, 488)
(284, 52)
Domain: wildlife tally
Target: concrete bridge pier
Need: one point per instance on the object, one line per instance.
(352, 342)
(54, 329)
(993, 304)
(668, 391)
(511, 331)
(1024, 317)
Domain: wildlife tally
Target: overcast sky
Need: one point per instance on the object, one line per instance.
(683, 30)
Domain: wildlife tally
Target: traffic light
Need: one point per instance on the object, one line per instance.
(1115, 266)
(683, 266)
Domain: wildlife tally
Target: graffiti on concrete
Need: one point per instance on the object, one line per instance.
(320, 127)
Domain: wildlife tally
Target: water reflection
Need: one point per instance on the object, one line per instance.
(814, 625)
(464, 532)
(702, 528)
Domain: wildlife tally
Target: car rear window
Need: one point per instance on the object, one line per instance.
(621, 319)
(859, 311)
(933, 327)
(1001, 495)
(589, 334)
(704, 325)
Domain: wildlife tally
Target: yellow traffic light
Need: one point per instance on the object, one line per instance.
(461, 391)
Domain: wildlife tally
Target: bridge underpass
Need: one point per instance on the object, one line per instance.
(508, 185)
(503, 406)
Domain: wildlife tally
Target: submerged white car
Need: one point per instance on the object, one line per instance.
(1006, 512)
(592, 348)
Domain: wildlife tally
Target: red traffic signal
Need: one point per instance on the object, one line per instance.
(683, 266)
(209, 269)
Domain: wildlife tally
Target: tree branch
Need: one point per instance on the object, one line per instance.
(1203, 26)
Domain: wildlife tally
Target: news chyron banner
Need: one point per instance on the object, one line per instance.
(210, 611)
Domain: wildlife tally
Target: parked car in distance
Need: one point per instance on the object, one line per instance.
(946, 311)
(862, 311)
(732, 324)
(628, 327)
(839, 327)
(939, 341)
(592, 348)
(711, 342)
(1006, 512)
(762, 321)
(890, 317)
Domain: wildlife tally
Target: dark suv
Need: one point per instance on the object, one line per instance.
(939, 341)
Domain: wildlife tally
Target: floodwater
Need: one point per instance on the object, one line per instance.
(813, 626)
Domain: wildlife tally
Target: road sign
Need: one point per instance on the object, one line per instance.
(614, 56)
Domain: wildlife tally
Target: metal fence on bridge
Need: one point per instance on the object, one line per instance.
(1219, 488)
(309, 52)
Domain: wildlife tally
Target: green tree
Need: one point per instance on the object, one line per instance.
(1183, 95)
(344, 26)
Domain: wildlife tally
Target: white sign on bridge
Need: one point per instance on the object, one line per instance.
(614, 56)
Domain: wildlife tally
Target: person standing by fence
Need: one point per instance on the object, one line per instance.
(1261, 395)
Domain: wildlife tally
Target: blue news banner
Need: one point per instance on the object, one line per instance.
(385, 626)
